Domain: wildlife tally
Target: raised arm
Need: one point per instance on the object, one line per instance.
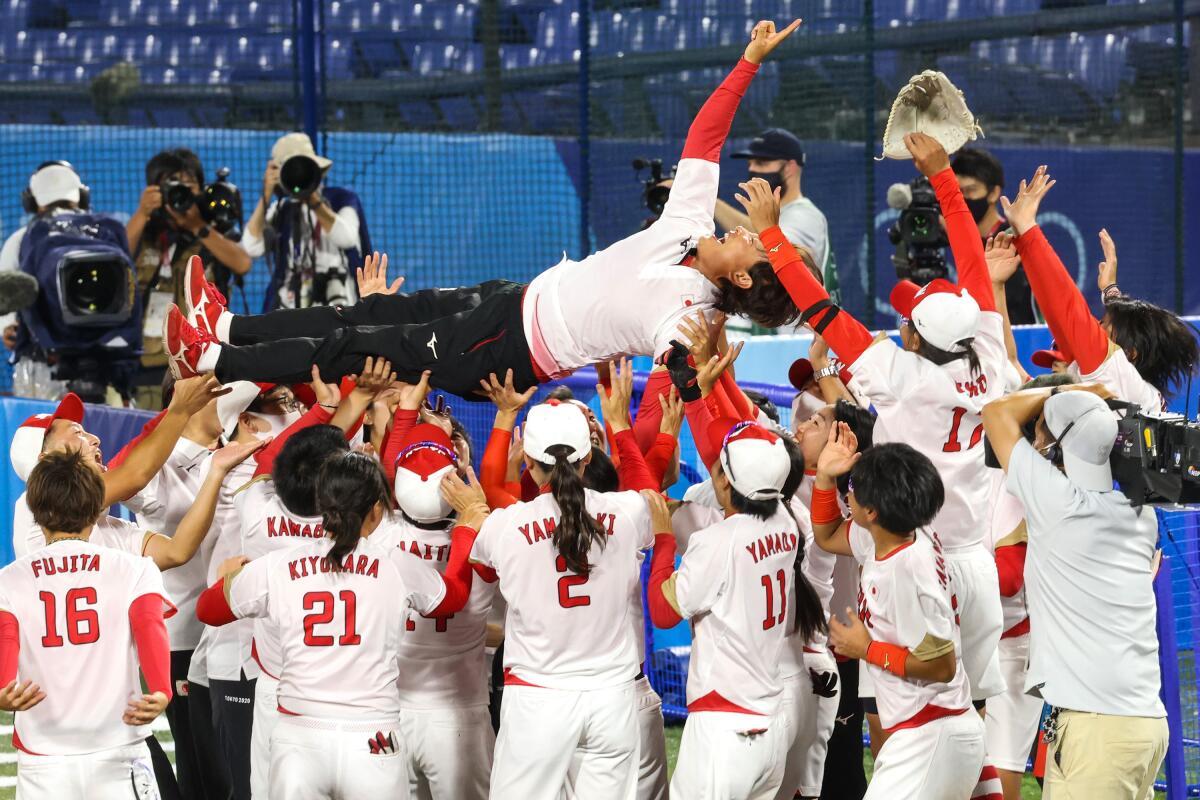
(830, 529)
(660, 593)
(1002, 262)
(493, 468)
(614, 404)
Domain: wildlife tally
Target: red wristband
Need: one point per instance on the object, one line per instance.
(890, 657)
(825, 508)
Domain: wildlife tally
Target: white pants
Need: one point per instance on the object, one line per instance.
(652, 749)
(939, 760)
(266, 715)
(318, 759)
(730, 757)
(542, 729)
(449, 752)
(1013, 716)
(810, 720)
(119, 773)
(975, 583)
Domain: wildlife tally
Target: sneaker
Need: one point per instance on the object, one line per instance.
(204, 302)
(184, 344)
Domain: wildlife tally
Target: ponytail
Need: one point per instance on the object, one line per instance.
(942, 357)
(576, 528)
(810, 618)
(350, 485)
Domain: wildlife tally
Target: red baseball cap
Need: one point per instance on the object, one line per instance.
(1046, 358)
(28, 440)
(426, 456)
(944, 314)
(800, 373)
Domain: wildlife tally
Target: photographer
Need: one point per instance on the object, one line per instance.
(1089, 571)
(314, 235)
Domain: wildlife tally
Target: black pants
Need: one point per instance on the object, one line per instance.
(844, 776)
(164, 774)
(198, 767)
(233, 719)
(460, 335)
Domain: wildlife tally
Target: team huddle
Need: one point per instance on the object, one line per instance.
(313, 540)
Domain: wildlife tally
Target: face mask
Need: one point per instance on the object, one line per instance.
(278, 422)
(979, 207)
(773, 179)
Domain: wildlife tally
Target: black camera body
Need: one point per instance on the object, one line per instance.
(220, 202)
(1156, 458)
(654, 197)
(177, 196)
(919, 238)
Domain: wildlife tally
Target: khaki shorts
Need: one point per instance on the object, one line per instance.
(1104, 757)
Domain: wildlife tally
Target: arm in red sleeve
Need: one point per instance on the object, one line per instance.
(212, 608)
(742, 407)
(633, 472)
(845, 334)
(649, 413)
(699, 417)
(1010, 564)
(317, 415)
(965, 243)
(662, 567)
(150, 637)
(658, 457)
(147, 429)
(10, 647)
(458, 574)
(493, 469)
(1067, 313)
(403, 421)
(707, 134)
(720, 403)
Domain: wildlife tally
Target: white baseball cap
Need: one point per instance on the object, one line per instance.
(55, 183)
(755, 460)
(426, 456)
(1086, 430)
(296, 144)
(553, 423)
(27, 442)
(230, 406)
(944, 314)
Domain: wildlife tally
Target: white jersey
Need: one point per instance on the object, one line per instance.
(227, 647)
(937, 411)
(735, 584)
(902, 599)
(340, 630)
(113, 532)
(266, 527)
(1121, 378)
(442, 663)
(71, 600)
(629, 298)
(1007, 528)
(563, 630)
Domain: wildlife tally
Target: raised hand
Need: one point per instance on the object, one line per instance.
(231, 566)
(702, 337)
(760, 202)
(1022, 212)
(710, 371)
(928, 153)
(1002, 258)
(328, 394)
(412, 395)
(376, 376)
(672, 413)
(764, 39)
(234, 453)
(1108, 267)
(270, 178)
(818, 352)
(372, 277)
(614, 404)
(840, 453)
(466, 498)
(505, 396)
(191, 395)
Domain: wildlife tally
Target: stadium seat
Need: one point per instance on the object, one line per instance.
(440, 20)
(558, 34)
(371, 54)
(519, 56)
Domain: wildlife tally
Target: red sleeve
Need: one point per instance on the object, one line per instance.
(458, 574)
(486, 573)
(493, 469)
(742, 407)
(147, 429)
(965, 244)
(662, 566)
(1067, 313)
(10, 647)
(212, 608)
(633, 472)
(649, 414)
(1010, 564)
(699, 418)
(659, 457)
(720, 403)
(403, 421)
(150, 637)
(845, 334)
(317, 415)
(707, 134)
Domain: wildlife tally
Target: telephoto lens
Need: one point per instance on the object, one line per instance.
(299, 177)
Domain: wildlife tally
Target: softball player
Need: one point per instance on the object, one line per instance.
(333, 604)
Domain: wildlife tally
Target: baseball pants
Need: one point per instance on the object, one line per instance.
(233, 720)
(730, 757)
(449, 752)
(266, 717)
(541, 730)
(1012, 716)
(201, 773)
(317, 759)
(809, 718)
(844, 778)
(119, 773)
(461, 335)
(975, 583)
(939, 760)
(1104, 757)
(652, 748)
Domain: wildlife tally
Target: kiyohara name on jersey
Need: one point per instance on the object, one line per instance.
(311, 566)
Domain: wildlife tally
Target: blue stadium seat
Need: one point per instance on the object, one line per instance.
(558, 34)
(632, 30)
(459, 113)
(440, 20)
(431, 58)
(520, 56)
(372, 54)
(337, 59)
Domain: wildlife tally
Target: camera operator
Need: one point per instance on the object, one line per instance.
(981, 178)
(313, 235)
(1089, 571)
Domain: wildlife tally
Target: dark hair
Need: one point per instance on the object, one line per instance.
(64, 494)
(942, 357)
(349, 486)
(796, 476)
(766, 302)
(977, 163)
(600, 475)
(458, 429)
(1049, 380)
(764, 404)
(900, 484)
(862, 425)
(1164, 350)
(560, 393)
(759, 509)
(298, 466)
(169, 162)
(576, 528)
(168, 389)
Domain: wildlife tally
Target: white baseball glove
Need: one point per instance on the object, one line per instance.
(929, 104)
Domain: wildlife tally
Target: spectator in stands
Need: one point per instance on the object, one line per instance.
(162, 239)
(981, 178)
(777, 157)
(1089, 573)
(313, 235)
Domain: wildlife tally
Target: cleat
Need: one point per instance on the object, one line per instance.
(204, 302)
(184, 344)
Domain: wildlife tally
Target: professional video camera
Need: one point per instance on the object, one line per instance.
(654, 197)
(220, 202)
(918, 235)
(1156, 458)
(299, 177)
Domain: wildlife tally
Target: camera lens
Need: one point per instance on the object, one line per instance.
(221, 205)
(299, 176)
(178, 196)
(91, 287)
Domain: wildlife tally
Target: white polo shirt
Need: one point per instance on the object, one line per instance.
(1089, 587)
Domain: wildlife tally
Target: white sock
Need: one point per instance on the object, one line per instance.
(223, 323)
(208, 359)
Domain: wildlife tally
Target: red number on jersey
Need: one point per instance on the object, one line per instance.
(83, 624)
(952, 444)
(311, 600)
(565, 598)
(771, 619)
(439, 623)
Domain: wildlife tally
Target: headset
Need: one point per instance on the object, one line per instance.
(31, 205)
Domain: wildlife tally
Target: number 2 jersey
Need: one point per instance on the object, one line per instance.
(71, 600)
(564, 630)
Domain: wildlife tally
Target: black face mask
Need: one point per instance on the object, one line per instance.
(979, 207)
(773, 179)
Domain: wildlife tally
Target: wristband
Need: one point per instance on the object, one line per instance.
(890, 657)
(326, 405)
(1110, 292)
(833, 370)
(825, 508)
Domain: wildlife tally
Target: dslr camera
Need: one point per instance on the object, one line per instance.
(918, 235)
(654, 197)
(220, 202)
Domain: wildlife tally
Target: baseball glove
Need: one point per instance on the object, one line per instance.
(929, 104)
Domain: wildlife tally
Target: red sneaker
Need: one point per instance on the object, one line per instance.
(204, 302)
(184, 344)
